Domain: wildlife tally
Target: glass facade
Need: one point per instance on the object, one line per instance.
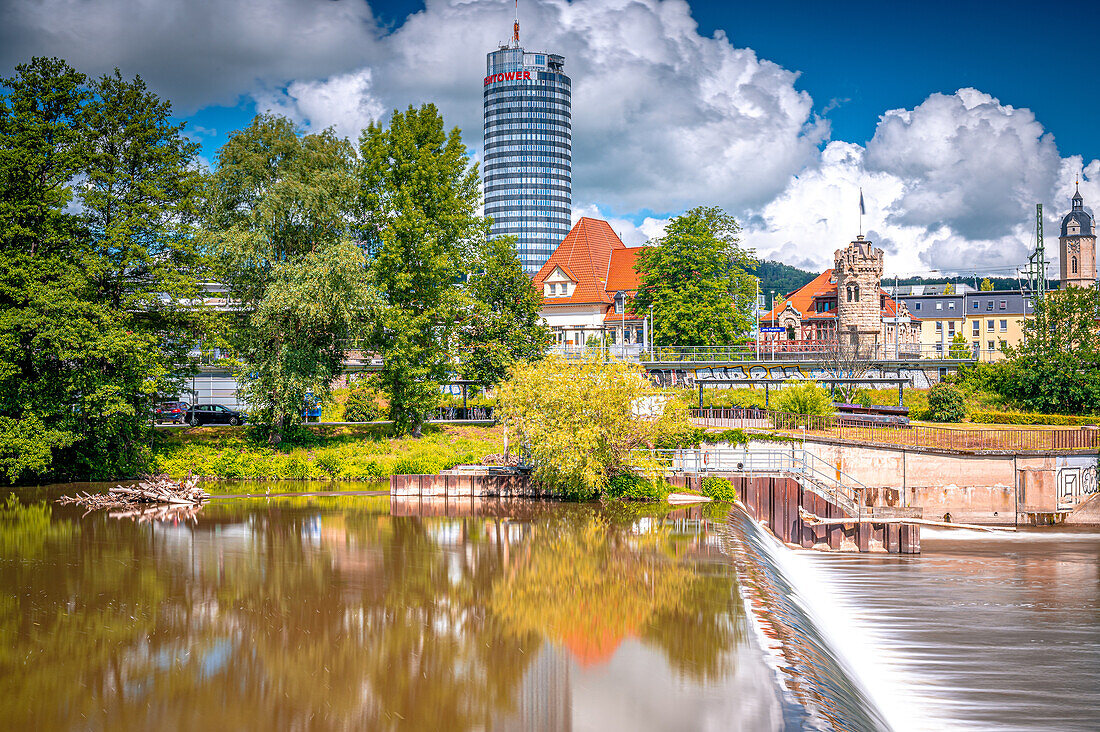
(528, 142)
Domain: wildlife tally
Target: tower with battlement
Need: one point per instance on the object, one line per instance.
(1077, 246)
(858, 272)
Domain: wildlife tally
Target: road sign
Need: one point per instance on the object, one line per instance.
(773, 330)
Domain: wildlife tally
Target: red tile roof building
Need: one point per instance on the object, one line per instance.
(587, 284)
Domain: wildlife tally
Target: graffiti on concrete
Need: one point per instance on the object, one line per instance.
(918, 378)
(1077, 480)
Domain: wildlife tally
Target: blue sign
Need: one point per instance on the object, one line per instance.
(773, 330)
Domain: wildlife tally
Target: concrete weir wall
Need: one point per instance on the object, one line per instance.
(969, 488)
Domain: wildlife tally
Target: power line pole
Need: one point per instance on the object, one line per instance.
(1037, 262)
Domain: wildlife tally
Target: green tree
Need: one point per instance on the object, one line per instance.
(695, 280)
(581, 419)
(419, 197)
(803, 397)
(280, 225)
(1056, 367)
(502, 323)
(90, 324)
(987, 285)
(959, 347)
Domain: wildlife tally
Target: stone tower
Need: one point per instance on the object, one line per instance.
(858, 273)
(1077, 246)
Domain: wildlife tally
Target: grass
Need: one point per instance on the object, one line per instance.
(325, 452)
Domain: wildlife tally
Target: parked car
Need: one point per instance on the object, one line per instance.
(213, 414)
(171, 411)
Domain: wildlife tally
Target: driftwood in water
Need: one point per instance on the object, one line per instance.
(158, 490)
(813, 519)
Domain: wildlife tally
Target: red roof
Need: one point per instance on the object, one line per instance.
(585, 256)
(803, 298)
(621, 274)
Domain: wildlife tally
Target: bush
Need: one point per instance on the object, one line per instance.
(628, 486)
(1032, 418)
(719, 489)
(804, 397)
(362, 405)
(946, 403)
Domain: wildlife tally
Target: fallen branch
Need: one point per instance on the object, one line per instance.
(815, 520)
(155, 491)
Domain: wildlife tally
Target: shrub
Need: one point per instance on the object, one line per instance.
(804, 397)
(628, 486)
(720, 489)
(946, 403)
(1032, 418)
(362, 405)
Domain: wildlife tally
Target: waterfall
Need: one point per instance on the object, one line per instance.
(821, 689)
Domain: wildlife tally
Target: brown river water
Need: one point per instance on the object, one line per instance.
(328, 612)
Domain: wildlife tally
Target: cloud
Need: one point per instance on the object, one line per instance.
(967, 162)
(194, 52)
(950, 185)
(344, 102)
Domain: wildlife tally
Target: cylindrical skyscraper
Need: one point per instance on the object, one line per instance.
(528, 149)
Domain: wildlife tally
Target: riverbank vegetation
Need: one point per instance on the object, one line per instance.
(366, 452)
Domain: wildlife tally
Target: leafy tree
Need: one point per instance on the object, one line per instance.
(581, 419)
(96, 192)
(695, 280)
(362, 405)
(987, 285)
(946, 403)
(959, 347)
(949, 289)
(1056, 367)
(419, 198)
(503, 323)
(280, 216)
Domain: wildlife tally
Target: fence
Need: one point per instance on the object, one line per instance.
(809, 351)
(854, 429)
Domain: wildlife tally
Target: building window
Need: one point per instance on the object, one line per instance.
(1004, 326)
(939, 306)
(1003, 304)
(975, 304)
(991, 346)
(977, 347)
(989, 305)
(553, 290)
(939, 326)
(1073, 261)
(977, 327)
(916, 306)
(950, 306)
(989, 325)
(939, 348)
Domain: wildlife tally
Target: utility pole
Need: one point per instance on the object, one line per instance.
(756, 317)
(1037, 262)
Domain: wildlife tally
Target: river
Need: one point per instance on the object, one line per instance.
(328, 612)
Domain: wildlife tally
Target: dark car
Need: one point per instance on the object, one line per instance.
(171, 411)
(213, 414)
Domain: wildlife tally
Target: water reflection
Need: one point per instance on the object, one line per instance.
(327, 612)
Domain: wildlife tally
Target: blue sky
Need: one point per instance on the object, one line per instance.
(779, 112)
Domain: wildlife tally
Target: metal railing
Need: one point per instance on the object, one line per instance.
(853, 429)
(810, 351)
(813, 473)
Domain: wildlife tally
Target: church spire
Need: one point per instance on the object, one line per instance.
(1078, 202)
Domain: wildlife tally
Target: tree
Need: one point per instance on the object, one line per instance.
(849, 356)
(419, 199)
(581, 419)
(280, 217)
(949, 289)
(1056, 367)
(804, 397)
(695, 280)
(502, 323)
(987, 285)
(90, 325)
(959, 348)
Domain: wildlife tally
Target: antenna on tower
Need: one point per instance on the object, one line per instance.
(515, 27)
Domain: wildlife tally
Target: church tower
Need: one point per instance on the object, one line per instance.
(858, 272)
(1077, 246)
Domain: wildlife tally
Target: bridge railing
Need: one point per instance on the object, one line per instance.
(807, 350)
(814, 473)
(854, 429)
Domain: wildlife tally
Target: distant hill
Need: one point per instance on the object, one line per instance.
(782, 278)
(786, 279)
